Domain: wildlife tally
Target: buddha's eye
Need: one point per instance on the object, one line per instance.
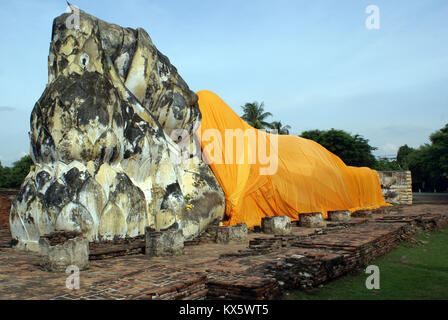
(85, 60)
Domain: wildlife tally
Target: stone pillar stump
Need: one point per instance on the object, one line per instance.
(232, 235)
(62, 249)
(339, 216)
(280, 225)
(312, 220)
(164, 243)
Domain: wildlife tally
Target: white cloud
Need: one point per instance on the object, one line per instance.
(6, 108)
(389, 150)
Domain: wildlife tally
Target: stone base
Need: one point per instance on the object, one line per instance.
(280, 225)
(312, 220)
(72, 252)
(233, 234)
(32, 246)
(362, 214)
(164, 243)
(339, 216)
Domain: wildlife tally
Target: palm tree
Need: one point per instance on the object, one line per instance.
(281, 129)
(254, 115)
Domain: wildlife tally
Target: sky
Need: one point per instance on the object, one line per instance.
(313, 63)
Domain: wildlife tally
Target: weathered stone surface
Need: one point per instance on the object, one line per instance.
(112, 141)
(396, 186)
(312, 220)
(57, 257)
(280, 225)
(164, 243)
(339, 216)
(233, 234)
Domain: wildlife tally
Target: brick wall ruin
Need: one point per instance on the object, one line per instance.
(396, 186)
(6, 196)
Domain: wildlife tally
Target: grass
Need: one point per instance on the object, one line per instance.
(431, 193)
(413, 271)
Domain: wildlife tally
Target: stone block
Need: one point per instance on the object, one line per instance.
(312, 220)
(396, 186)
(339, 216)
(164, 243)
(280, 225)
(233, 234)
(56, 257)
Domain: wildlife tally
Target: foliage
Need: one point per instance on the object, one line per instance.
(428, 163)
(402, 156)
(12, 177)
(354, 150)
(281, 129)
(439, 149)
(254, 115)
(384, 164)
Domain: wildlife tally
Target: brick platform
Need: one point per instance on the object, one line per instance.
(156, 283)
(261, 270)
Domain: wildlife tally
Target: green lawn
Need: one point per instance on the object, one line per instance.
(413, 271)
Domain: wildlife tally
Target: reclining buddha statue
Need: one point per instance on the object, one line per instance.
(104, 141)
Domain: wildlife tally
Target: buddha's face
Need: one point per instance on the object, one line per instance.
(83, 44)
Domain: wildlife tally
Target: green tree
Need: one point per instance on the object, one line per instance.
(384, 164)
(281, 129)
(12, 177)
(254, 115)
(423, 166)
(354, 150)
(2, 175)
(439, 141)
(402, 156)
(428, 163)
